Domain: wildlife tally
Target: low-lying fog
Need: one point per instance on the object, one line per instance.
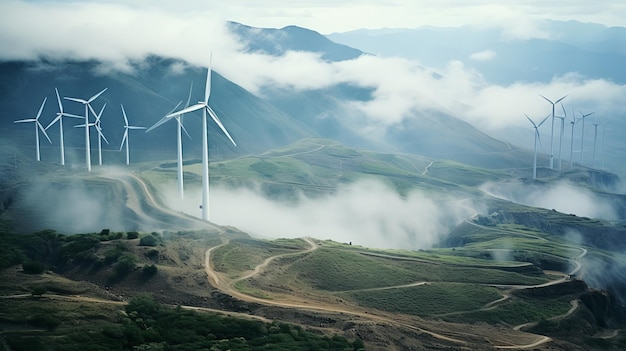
(367, 213)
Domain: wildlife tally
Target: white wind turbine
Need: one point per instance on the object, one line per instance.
(537, 138)
(179, 141)
(572, 122)
(125, 138)
(552, 132)
(204, 106)
(87, 104)
(59, 118)
(38, 127)
(100, 134)
(562, 118)
(582, 138)
(595, 137)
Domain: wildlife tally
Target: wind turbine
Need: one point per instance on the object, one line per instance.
(38, 127)
(552, 132)
(59, 118)
(179, 150)
(572, 122)
(100, 135)
(595, 137)
(562, 118)
(87, 104)
(125, 138)
(582, 138)
(537, 138)
(204, 106)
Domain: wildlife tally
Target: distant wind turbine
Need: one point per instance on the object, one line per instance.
(582, 138)
(537, 138)
(125, 138)
(96, 124)
(552, 132)
(38, 127)
(204, 106)
(87, 104)
(179, 150)
(595, 137)
(59, 118)
(562, 118)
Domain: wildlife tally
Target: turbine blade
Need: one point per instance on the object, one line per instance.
(545, 119)
(548, 100)
(70, 115)
(59, 100)
(180, 122)
(100, 114)
(54, 121)
(93, 112)
(192, 108)
(102, 135)
(559, 100)
(124, 139)
(219, 123)
(43, 131)
(188, 97)
(25, 120)
(125, 118)
(207, 88)
(531, 121)
(96, 96)
(135, 127)
(564, 112)
(75, 99)
(164, 118)
(41, 108)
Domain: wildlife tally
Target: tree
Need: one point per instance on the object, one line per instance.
(148, 240)
(33, 267)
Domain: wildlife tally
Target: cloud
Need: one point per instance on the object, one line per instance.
(365, 213)
(563, 197)
(486, 55)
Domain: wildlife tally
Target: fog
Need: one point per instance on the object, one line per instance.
(367, 213)
(562, 196)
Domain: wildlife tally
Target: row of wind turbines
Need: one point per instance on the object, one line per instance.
(573, 121)
(173, 114)
(86, 125)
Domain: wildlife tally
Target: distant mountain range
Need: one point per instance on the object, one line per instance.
(256, 123)
(592, 50)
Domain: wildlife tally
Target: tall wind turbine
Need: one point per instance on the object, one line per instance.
(204, 106)
(537, 138)
(87, 104)
(562, 118)
(552, 132)
(38, 127)
(59, 118)
(179, 149)
(595, 137)
(582, 138)
(572, 122)
(100, 134)
(125, 138)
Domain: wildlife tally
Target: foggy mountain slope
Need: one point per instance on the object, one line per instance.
(276, 117)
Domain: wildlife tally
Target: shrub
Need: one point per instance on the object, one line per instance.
(148, 240)
(33, 267)
(132, 235)
(38, 290)
(149, 270)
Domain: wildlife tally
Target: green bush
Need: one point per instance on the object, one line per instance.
(149, 270)
(148, 240)
(38, 290)
(132, 235)
(33, 267)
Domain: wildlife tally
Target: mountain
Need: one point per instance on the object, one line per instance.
(592, 50)
(258, 123)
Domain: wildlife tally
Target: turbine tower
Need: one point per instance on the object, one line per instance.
(59, 118)
(204, 106)
(87, 104)
(582, 138)
(562, 118)
(552, 130)
(537, 138)
(38, 127)
(179, 149)
(595, 137)
(125, 138)
(572, 122)
(100, 134)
